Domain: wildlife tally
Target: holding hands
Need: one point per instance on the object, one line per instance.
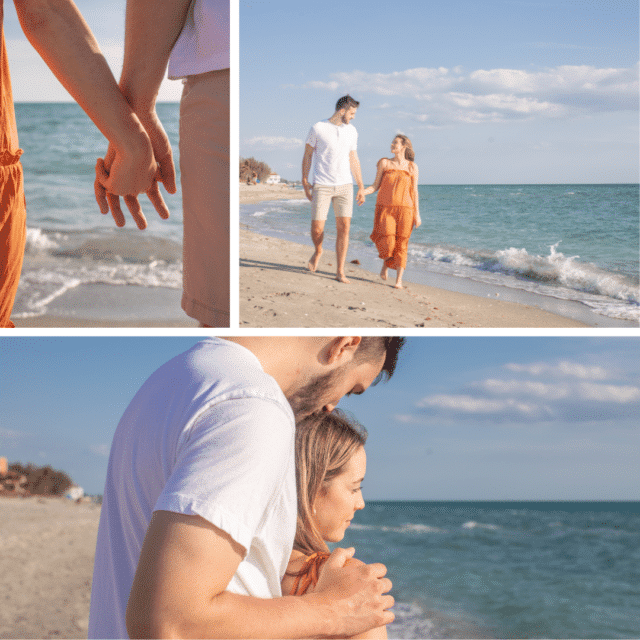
(135, 169)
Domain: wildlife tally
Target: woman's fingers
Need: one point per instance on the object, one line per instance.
(136, 211)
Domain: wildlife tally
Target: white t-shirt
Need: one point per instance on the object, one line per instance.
(203, 43)
(332, 145)
(209, 433)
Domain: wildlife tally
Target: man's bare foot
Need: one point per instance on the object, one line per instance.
(384, 271)
(313, 261)
(342, 278)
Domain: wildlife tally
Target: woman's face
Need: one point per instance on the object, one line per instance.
(340, 498)
(397, 146)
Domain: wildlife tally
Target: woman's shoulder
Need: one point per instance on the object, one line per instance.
(383, 163)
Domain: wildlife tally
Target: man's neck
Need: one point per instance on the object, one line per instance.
(336, 119)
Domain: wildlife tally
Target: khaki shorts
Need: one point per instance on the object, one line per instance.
(324, 195)
(204, 173)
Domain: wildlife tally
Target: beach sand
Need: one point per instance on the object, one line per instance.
(47, 547)
(254, 193)
(277, 290)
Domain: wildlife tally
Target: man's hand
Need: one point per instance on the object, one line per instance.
(308, 189)
(355, 591)
(108, 173)
(360, 196)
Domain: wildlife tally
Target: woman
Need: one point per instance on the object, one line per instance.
(397, 207)
(330, 467)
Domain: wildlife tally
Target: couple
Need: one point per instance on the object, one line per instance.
(191, 37)
(200, 511)
(332, 146)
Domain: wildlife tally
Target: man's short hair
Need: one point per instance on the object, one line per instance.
(346, 102)
(374, 347)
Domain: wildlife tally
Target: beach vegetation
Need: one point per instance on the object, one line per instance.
(41, 480)
(252, 169)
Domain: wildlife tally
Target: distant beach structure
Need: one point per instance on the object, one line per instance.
(273, 178)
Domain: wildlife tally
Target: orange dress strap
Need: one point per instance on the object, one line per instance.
(308, 575)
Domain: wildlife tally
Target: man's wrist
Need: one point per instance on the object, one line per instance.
(326, 620)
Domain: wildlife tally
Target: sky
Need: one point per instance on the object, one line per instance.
(491, 92)
(463, 418)
(30, 77)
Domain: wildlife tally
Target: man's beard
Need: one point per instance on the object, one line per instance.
(313, 396)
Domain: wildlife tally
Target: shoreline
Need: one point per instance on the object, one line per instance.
(112, 306)
(277, 290)
(428, 299)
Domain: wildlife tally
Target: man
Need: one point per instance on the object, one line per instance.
(64, 41)
(199, 507)
(192, 38)
(332, 145)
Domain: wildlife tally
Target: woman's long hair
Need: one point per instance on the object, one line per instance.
(409, 154)
(324, 445)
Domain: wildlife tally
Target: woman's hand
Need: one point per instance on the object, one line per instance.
(417, 220)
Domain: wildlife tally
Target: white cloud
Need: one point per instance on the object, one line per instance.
(615, 394)
(445, 96)
(274, 142)
(537, 389)
(564, 368)
(471, 404)
(101, 450)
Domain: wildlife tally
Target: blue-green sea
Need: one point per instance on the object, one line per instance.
(577, 244)
(506, 569)
(69, 242)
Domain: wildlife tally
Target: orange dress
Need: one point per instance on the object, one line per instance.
(308, 575)
(13, 213)
(394, 217)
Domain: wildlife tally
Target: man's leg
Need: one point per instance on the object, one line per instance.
(204, 169)
(317, 236)
(343, 208)
(342, 245)
(320, 201)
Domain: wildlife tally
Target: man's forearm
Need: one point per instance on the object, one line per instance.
(64, 41)
(237, 616)
(152, 28)
(355, 170)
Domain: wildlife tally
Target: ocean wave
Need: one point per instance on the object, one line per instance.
(39, 287)
(38, 241)
(472, 524)
(609, 293)
(404, 528)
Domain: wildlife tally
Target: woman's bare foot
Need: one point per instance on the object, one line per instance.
(398, 285)
(342, 278)
(384, 271)
(313, 261)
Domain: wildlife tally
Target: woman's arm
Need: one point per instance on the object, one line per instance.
(64, 41)
(416, 201)
(382, 165)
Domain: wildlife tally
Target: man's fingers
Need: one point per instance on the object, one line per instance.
(116, 211)
(385, 585)
(157, 201)
(378, 569)
(136, 211)
(339, 556)
(167, 172)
